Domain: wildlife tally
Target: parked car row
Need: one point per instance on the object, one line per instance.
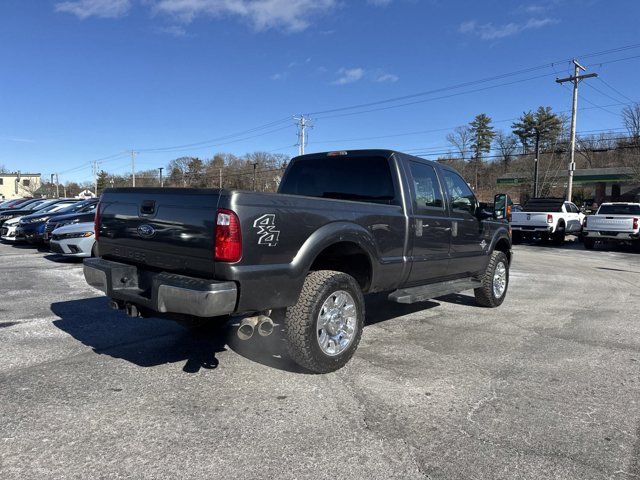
(65, 224)
(552, 219)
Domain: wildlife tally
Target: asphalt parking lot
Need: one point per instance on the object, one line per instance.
(547, 386)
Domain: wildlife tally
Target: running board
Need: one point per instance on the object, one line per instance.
(434, 290)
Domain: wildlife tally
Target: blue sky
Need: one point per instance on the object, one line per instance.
(86, 79)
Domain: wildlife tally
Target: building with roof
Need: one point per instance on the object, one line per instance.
(16, 185)
(600, 184)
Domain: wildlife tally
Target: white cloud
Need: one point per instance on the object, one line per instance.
(489, 31)
(379, 3)
(349, 75)
(387, 78)
(94, 8)
(289, 15)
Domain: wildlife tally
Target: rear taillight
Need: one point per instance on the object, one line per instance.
(635, 223)
(549, 218)
(228, 246)
(96, 222)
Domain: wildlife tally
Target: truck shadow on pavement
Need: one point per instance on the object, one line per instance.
(146, 342)
(149, 342)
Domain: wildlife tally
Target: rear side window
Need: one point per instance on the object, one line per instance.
(619, 210)
(365, 179)
(426, 188)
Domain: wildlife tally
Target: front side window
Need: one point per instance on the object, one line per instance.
(461, 198)
(426, 188)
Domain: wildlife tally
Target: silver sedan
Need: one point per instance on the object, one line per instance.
(76, 240)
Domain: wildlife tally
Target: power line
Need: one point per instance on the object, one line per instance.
(203, 147)
(218, 139)
(616, 90)
(436, 98)
(482, 80)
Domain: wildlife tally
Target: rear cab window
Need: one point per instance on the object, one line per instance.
(362, 179)
(619, 210)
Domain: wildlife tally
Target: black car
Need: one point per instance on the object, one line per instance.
(78, 213)
(31, 227)
(29, 208)
(16, 204)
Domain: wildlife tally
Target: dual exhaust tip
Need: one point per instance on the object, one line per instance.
(248, 326)
(261, 323)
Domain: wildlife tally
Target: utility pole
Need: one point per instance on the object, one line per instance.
(303, 124)
(95, 176)
(161, 180)
(254, 176)
(51, 182)
(575, 79)
(535, 165)
(57, 187)
(221, 178)
(133, 167)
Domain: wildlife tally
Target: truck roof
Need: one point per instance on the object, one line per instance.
(620, 203)
(375, 152)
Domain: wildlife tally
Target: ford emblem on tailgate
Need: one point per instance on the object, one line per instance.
(146, 231)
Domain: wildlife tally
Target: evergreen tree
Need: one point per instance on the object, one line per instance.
(482, 134)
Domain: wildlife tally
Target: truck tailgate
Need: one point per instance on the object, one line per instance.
(167, 228)
(610, 223)
(527, 219)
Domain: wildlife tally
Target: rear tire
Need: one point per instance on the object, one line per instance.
(558, 236)
(495, 282)
(589, 243)
(516, 237)
(322, 300)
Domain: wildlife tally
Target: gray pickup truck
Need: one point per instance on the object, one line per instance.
(343, 224)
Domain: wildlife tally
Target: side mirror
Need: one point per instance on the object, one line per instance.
(502, 207)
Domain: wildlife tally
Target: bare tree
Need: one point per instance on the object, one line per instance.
(506, 145)
(460, 138)
(631, 120)
(592, 147)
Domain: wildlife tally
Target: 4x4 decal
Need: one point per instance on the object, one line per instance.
(267, 233)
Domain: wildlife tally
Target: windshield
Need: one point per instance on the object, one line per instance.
(622, 209)
(53, 207)
(366, 179)
(38, 205)
(68, 207)
(85, 206)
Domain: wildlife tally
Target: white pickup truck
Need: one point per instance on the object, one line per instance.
(547, 218)
(617, 222)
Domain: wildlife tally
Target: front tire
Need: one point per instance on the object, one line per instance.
(323, 329)
(495, 282)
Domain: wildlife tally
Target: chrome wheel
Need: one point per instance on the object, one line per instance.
(337, 323)
(499, 280)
